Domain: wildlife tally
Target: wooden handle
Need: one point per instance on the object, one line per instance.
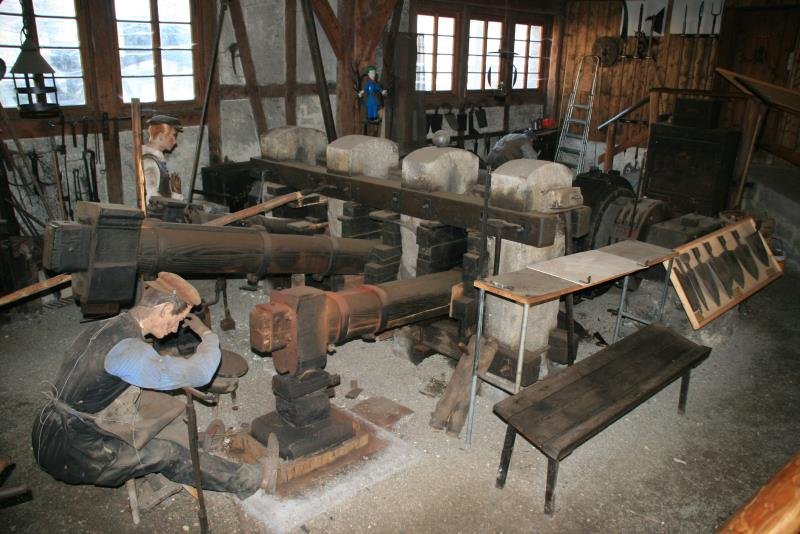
(255, 210)
(35, 288)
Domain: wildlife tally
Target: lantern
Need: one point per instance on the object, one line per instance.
(35, 83)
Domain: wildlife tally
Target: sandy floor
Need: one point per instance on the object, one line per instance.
(652, 471)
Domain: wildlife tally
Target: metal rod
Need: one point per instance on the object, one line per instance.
(476, 356)
(223, 5)
(621, 309)
(319, 71)
(664, 291)
(191, 417)
(521, 352)
(569, 301)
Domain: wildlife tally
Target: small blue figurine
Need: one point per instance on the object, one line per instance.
(372, 89)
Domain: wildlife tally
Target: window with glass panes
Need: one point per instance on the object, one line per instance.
(55, 29)
(483, 59)
(435, 53)
(155, 50)
(527, 56)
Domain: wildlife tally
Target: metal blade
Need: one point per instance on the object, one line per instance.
(720, 268)
(684, 261)
(744, 256)
(733, 264)
(705, 275)
(757, 244)
(688, 288)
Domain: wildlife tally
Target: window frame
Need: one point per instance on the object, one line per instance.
(489, 97)
(454, 75)
(486, 19)
(96, 28)
(194, 24)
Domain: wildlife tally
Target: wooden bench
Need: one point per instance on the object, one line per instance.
(560, 413)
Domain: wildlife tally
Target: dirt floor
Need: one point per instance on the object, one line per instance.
(652, 471)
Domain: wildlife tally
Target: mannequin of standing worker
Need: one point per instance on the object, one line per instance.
(162, 133)
(371, 91)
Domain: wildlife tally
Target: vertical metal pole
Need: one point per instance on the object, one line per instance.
(664, 290)
(319, 71)
(621, 309)
(223, 5)
(521, 352)
(569, 301)
(191, 417)
(476, 356)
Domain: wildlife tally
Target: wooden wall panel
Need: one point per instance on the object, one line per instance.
(680, 62)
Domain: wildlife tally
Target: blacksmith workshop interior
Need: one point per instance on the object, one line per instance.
(292, 266)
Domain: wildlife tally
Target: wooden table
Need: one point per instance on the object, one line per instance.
(552, 279)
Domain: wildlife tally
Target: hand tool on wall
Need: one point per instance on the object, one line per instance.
(744, 255)
(76, 183)
(714, 15)
(640, 39)
(89, 162)
(685, 261)
(73, 130)
(685, 16)
(656, 25)
(705, 275)
(756, 243)
(700, 17)
(734, 268)
(720, 268)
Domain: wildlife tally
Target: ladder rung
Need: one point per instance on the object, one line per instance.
(580, 106)
(573, 136)
(568, 150)
(568, 164)
(577, 121)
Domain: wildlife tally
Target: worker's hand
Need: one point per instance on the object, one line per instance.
(360, 94)
(384, 92)
(197, 326)
(174, 183)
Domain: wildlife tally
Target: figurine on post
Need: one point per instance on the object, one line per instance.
(370, 91)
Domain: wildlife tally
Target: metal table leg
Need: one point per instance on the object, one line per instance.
(664, 290)
(476, 356)
(521, 352)
(621, 309)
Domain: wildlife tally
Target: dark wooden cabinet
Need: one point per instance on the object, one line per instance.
(691, 168)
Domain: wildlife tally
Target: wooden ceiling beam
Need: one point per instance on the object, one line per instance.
(371, 19)
(330, 25)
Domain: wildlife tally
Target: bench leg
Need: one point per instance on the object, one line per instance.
(550, 490)
(684, 392)
(505, 457)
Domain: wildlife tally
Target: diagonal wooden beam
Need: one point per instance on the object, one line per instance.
(330, 25)
(372, 16)
(248, 67)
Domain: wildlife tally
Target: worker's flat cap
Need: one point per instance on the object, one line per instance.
(165, 119)
(171, 283)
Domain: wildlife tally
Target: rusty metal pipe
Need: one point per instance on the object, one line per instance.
(299, 323)
(193, 249)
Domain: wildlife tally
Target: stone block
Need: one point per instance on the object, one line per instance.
(522, 184)
(294, 143)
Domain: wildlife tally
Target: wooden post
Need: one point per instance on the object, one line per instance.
(248, 67)
(753, 122)
(611, 134)
(136, 132)
(290, 31)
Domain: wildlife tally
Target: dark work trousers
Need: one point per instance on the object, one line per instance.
(76, 451)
